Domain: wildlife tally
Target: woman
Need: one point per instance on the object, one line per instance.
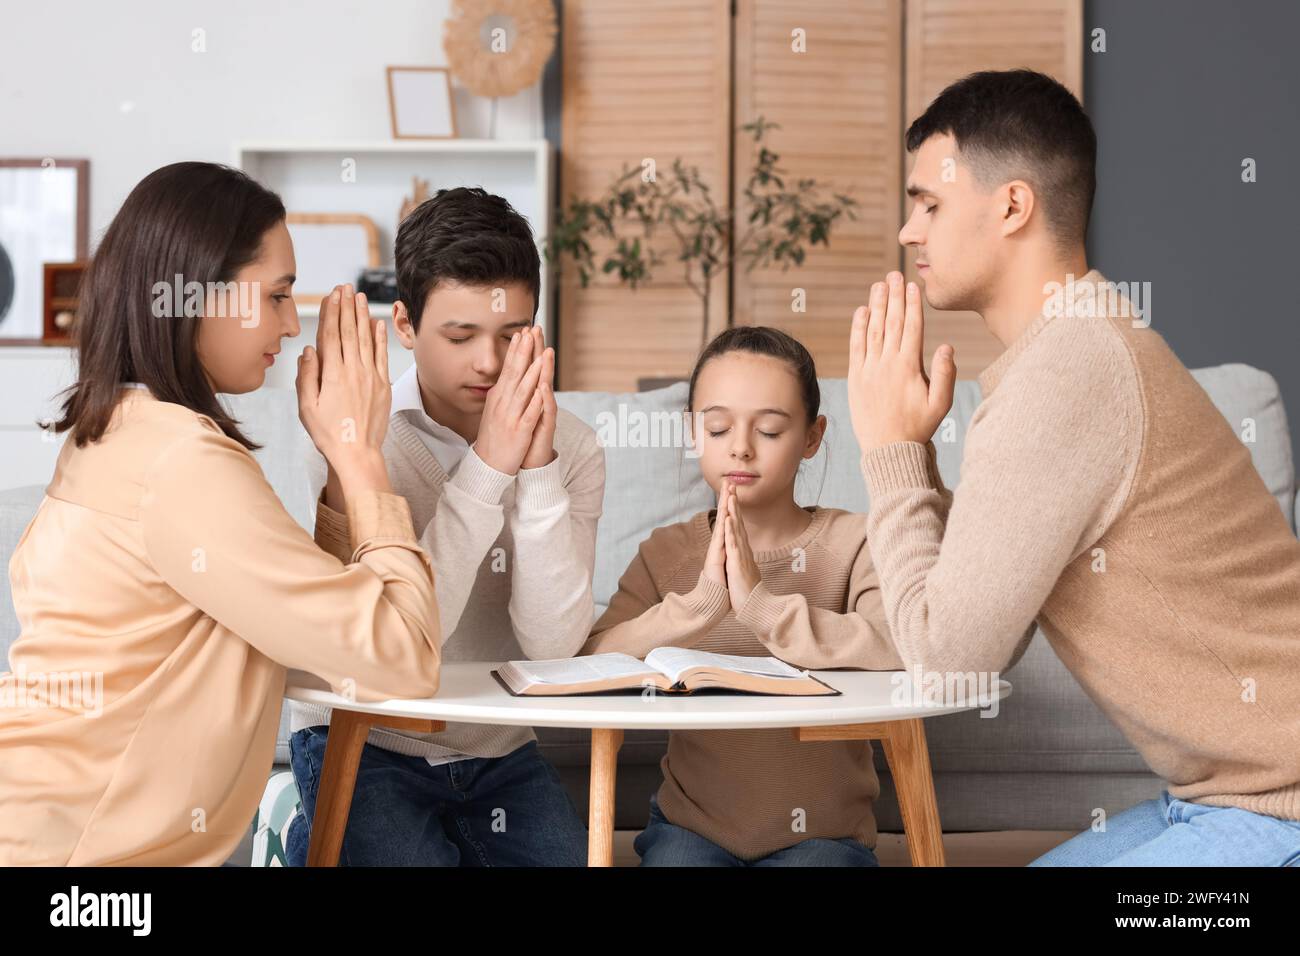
(162, 568)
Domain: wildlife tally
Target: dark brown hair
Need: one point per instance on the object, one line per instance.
(201, 221)
(1021, 124)
(467, 236)
(762, 340)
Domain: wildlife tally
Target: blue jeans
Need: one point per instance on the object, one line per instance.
(482, 811)
(665, 844)
(1172, 832)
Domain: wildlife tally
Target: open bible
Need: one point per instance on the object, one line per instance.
(671, 670)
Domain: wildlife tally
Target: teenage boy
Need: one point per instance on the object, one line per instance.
(507, 490)
(1102, 493)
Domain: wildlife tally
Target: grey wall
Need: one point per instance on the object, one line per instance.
(1185, 90)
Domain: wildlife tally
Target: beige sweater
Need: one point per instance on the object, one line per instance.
(162, 566)
(818, 606)
(514, 556)
(1104, 494)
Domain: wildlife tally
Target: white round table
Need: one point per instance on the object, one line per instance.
(873, 705)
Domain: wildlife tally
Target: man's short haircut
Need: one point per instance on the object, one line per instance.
(1019, 124)
(466, 236)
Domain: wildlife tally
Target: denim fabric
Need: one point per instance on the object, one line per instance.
(1172, 832)
(483, 811)
(665, 844)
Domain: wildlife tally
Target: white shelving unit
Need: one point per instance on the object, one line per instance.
(32, 376)
(310, 177)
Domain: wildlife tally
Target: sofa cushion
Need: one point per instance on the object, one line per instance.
(650, 478)
(1252, 403)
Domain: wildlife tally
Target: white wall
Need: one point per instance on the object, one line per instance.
(116, 81)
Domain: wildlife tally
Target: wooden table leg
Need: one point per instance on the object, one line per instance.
(605, 743)
(909, 763)
(347, 736)
(903, 742)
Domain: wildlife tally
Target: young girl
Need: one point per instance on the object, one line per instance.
(759, 577)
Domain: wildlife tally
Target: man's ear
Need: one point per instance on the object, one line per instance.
(402, 323)
(1018, 205)
(816, 432)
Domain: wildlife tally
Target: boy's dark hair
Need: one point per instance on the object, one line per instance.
(1019, 124)
(203, 221)
(762, 340)
(468, 236)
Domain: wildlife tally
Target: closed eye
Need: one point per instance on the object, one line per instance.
(763, 433)
(504, 338)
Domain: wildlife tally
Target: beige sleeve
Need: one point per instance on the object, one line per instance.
(936, 481)
(1045, 471)
(553, 525)
(332, 533)
(640, 617)
(467, 521)
(814, 637)
(217, 533)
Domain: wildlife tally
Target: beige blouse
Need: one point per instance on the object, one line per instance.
(162, 591)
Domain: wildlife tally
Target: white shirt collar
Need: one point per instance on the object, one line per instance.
(407, 400)
(406, 392)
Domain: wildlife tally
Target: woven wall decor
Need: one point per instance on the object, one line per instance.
(499, 47)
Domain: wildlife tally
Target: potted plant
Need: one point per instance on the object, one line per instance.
(640, 207)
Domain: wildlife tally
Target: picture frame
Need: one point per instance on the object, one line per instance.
(420, 102)
(331, 248)
(44, 217)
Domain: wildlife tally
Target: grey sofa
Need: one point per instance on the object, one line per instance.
(1044, 763)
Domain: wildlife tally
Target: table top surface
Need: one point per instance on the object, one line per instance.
(468, 693)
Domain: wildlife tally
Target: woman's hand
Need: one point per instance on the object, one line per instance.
(742, 571)
(512, 409)
(542, 450)
(344, 395)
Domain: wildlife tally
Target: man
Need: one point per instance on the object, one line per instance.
(1102, 493)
